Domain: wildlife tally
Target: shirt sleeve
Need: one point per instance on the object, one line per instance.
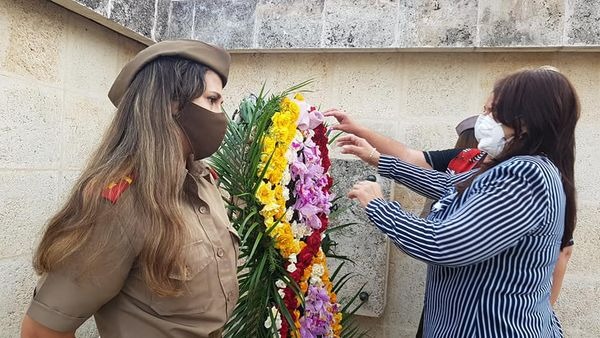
(66, 297)
(429, 183)
(500, 208)
(439, 159)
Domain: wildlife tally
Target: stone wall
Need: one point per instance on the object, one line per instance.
(56, 67)
(55, 70)
(354, 24)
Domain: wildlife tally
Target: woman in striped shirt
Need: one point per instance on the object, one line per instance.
(492, 239)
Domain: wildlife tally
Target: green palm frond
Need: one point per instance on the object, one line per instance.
(237, 163)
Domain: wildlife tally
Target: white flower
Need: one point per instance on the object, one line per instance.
(300, 230)
(290, 156)
(293, 259)
(280, 284)
(315, 281)
(269, 322)
(289, 214)
(291, 268)
(281, 293)
(317, 270)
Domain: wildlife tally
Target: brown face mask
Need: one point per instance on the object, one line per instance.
(203, 128)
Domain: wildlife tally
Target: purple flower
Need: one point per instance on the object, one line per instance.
(318, 315)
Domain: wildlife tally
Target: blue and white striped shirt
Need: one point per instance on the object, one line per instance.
(490, 251)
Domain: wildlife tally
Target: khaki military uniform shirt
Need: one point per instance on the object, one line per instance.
(114, 292)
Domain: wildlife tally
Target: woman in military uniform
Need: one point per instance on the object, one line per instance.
(143, 243)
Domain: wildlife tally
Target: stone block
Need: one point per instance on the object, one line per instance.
(30, 126)
(4, 38)
(36, 39)
(586, 255)
(135, 15)
(88, 330)
(582, 20)
(429, 135)
(27, 201)
(277, 72)
(521, 23)
(289, 23)
(444, 23)
(380, 99)
(578, 306)
(161, 24)
(85, 122)
(66, 182)
(360, 23)
(98, 6)
(227, 23)
(587, 170)
(436, 86)
(410, 201)
(90, 60)
(583, 69)
(17, 281)
(362, 242)
(406, 287)
(181, 20)
(495, 66)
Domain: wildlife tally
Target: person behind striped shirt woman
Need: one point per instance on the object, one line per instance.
(492, 240)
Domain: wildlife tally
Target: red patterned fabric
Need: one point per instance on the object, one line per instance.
(114, 190)
(465, 161)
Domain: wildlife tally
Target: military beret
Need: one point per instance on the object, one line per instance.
(466, 124)
(211, 56)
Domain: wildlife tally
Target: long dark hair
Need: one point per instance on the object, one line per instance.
(143, 139)
(541, 105)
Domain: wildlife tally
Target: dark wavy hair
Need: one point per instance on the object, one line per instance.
(542, 107)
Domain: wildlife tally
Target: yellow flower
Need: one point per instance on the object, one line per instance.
(265, 193)
(268, 145)
(299, 97)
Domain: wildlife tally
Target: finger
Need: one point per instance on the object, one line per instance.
(345, 142)
(351, 149)
(339, 115)
(346, 138)
(334, 112)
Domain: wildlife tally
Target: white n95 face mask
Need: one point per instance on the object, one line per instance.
(490, 135)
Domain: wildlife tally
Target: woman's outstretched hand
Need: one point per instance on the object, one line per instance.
(354, 145)
(345, 123)
(365, 192)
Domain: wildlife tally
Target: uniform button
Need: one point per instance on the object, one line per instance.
(203, 209)
(220, 252)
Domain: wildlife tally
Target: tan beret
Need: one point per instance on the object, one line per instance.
(214, 57)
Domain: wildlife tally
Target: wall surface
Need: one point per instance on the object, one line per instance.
(56, 67)
(55, 70)
(354, 24)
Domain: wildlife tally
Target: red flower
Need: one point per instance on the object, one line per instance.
(314, 240)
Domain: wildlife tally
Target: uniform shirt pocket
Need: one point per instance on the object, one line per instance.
(198, 286)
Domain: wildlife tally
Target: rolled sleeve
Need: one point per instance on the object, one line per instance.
(53, 318)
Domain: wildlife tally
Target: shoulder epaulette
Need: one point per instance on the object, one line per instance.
(213, 173)
(115, 190)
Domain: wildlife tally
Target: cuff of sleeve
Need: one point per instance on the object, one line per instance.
(373, 207)
(52, 318)
(385, 165)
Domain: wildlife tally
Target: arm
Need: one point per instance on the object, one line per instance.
(72, 292)
(559, 272)
(32, 329)
(383, 144)
(487, 222)
(429, 183)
